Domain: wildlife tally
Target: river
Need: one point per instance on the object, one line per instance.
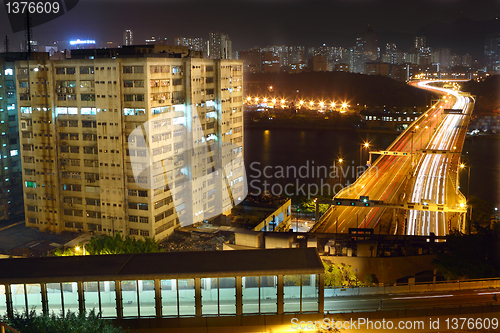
(305, 162)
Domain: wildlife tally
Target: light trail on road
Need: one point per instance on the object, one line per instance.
(417, 178)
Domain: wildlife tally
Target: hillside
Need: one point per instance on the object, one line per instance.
(372, 90)
(487, 93)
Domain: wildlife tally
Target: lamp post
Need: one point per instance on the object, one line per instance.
(462, 166)
(340, 160)
(364, 145)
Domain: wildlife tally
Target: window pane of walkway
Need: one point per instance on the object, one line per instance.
(70, 294)
(268, 294)
(227, 294)
(169, 297)
(147, 298)
(291, 293)
(209, 297)
(250, 292)
(108, 299)
(54, 297)
(310, 292)
(91, 296)
(187, 305)
(129, 296)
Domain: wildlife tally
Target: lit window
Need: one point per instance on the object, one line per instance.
(14, 152)
(9, 71)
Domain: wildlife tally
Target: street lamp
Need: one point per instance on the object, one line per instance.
(77, 248)
(462, 166)
(364, 145)
(340, 160)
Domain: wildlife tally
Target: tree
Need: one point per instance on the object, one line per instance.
(30, 322)
(115, 245)
(118, 244)
(309, 206)
(343, 275)
(471, 256)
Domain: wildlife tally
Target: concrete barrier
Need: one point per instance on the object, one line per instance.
(413, 288)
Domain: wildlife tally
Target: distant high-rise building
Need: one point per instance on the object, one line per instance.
(270, 62)
(358, 56)
(391, 55)
(419, 41)
(252, 61)
(128, 38)
(197, 43)
(156, 41)
(366, 49)
(318, 64)
(442, 56)
(219, 46)
(370, 47)
(466, 60)
(114, 135)
(23, 46)
(492, 53)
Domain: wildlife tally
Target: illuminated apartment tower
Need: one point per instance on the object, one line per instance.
(76, 130)
(219, 46)
(11, 190)
(128, 38)
(197, 43)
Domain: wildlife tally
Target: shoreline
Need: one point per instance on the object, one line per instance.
(315, 126)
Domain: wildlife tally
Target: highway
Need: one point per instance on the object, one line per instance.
(408, 301)
(425, 178)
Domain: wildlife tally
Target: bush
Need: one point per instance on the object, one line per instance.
(30, 322)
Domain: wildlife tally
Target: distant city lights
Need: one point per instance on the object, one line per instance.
(78, 42)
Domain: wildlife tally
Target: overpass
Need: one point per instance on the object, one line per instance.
(414, 182)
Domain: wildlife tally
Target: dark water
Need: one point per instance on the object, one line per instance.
(311, 155)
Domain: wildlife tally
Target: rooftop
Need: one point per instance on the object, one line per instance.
(162, 265)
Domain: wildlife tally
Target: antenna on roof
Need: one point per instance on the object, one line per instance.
(28, 31)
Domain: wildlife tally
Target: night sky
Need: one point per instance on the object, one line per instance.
(257, 22)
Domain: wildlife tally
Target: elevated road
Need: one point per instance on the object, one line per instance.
(419, 167)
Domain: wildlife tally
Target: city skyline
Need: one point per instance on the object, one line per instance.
(257, 23)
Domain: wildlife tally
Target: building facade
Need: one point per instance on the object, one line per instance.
(11, 191)
(85, 168)
(219, 46)
(128, 38)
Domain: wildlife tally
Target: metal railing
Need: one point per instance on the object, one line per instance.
(492, 283)
(4, 327)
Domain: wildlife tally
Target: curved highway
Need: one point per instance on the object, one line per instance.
(415, 178)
